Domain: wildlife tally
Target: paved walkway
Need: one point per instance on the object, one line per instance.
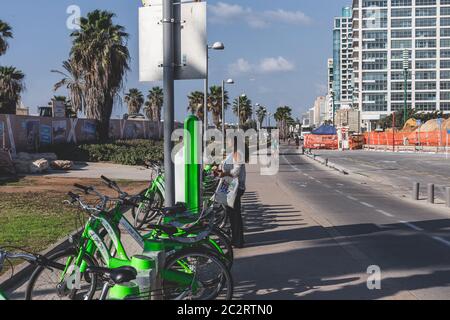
(110, 170)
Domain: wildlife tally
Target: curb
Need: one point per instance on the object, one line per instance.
(327, 163)
(23, 271)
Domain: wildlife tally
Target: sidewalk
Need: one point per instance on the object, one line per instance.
(288, 254)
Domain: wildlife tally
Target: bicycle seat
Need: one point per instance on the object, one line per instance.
(118, 276)
(177, 209)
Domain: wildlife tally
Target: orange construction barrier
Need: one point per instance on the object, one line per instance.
(428, 139)
(313, 141)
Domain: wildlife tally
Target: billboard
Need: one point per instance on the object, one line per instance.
(190, 41)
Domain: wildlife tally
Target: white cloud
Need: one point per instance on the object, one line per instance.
(266, 65)
(279, 64)
(223, 13)
(240, 66)
(292, 17)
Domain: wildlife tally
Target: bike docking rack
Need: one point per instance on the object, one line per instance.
(433, 193)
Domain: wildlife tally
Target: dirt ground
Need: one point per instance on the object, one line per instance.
(62, 185)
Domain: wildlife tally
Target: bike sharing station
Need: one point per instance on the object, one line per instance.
(189, 43)
(172, 47)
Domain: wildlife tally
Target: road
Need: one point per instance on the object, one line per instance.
(395, 172)
(408, 241)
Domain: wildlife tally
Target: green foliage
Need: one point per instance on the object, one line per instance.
(126, 152)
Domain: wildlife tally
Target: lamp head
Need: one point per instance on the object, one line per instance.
(218, 46)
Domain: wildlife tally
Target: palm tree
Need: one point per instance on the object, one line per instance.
(5, 33)
(100, 54)
(215, 104)
(154, 104)
(134, 99)
(283, 116)
(73, 81)
(261, 114)
(196, 103)
(11, 87)
(245, 109)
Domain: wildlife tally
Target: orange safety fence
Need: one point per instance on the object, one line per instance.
(428, 139)
(313, 141)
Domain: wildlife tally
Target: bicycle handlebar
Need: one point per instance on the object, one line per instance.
(4, 255)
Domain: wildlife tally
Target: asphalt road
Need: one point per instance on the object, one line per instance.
(408, 241)
(395, 172)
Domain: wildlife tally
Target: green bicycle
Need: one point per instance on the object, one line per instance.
(180, 270)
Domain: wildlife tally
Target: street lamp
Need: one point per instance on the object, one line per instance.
(229, 81)
(215, 46)
(239, 109)
(405, 76)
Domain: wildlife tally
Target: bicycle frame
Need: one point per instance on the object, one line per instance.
(91, 241)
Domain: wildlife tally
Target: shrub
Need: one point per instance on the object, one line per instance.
(126, 152)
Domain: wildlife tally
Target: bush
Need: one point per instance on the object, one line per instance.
(126, 152)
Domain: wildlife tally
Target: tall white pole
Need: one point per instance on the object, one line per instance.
(223, 114)
(168, 79)
(205, 103)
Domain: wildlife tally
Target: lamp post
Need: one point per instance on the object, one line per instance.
(215, 46)
(405, 76)
(229, 81)
(333, 108)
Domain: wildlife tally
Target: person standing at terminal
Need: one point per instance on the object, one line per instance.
(234, 166)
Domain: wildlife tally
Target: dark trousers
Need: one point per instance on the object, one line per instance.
(237, 224)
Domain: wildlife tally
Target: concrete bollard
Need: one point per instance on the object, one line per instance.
(447, 197)
(416, 191)
(430, 193)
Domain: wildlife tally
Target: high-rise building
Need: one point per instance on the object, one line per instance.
(391, 36)
(342, 59)
(329, 98)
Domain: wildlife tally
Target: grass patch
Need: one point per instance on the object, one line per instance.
(34, 221)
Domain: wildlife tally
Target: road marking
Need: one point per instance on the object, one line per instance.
(327, 186)
(387, 214)
(442, 240)
(339, 191)
(318, 181)
(366, 204)
(352, 198)
(412, 226)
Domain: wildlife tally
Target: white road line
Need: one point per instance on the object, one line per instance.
(327, 186)
(387, 214)
(442, 240)
(318, 181)
(339, 191)
(352, 198)
(412, 226)
(367, 204)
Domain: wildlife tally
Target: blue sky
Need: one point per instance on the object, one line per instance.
(276, 51)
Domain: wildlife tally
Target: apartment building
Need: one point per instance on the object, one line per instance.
(390, 36)
(342, 59)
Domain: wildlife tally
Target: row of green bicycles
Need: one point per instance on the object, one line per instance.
(177, 254)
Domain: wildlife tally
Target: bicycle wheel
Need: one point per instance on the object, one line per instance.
(220, 243)
(148, 210)
(196, 274)
(46, 283)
